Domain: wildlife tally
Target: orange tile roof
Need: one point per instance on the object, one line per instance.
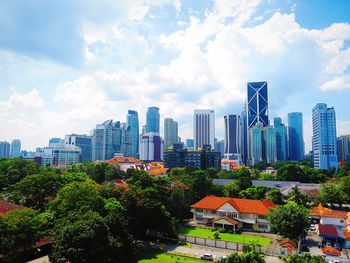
(241, 205)
(158, 171)
(346, 234)
(123, 160)
(288, 242)
(322, 211)
(331, 251)
(6, 207)
(229, 219)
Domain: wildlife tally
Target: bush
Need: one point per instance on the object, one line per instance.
(217, 235)
(222, 230)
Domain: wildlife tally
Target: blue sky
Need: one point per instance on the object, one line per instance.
(68, 65)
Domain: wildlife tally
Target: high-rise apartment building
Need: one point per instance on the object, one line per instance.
(151, 147)
(15, 148)
(281, 139)
(257, 104)
(233, 137)
(170, 132)
(84, 142)
(324, 139)
(152, 119)
(203, 128)
(4, 150)
(295, 136)
(133, 122)
(343, 147)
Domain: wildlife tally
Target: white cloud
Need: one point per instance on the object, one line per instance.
(338, 83)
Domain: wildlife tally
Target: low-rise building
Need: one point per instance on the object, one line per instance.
(233, 213)
(327, 216)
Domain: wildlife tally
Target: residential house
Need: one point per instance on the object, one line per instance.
(233, 213)
(6, 207)
(327, 216)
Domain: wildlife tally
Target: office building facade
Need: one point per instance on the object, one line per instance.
(58, 154)
(295, 136)
(343, 148)
(133, 122)
(256, 144)
(269, 145)
(84, 142)
(324, 139)
(152, 119)
(15, 148)
(257, 104)
(151, 147)
(4, 150)
(181, 157)
(189, 143)
(233, 137)
(281, 139)
(203, 128)
(170, 132)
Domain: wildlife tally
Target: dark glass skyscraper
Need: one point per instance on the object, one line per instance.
(133, 122)
(281, 139)
(295, 136)
(257, 104)
(84, 142)
(152, 119)
(233, 137)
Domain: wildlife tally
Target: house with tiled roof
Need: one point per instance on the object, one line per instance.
(6, 207)
(327, 216)
(233, 213)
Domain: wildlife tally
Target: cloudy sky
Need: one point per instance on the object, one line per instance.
(67, 65)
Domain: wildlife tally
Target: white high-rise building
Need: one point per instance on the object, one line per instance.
(203, 128)
(324, 139)
(15, 148)
(58, 154)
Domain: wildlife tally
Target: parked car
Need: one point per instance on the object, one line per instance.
(221, 259)
(328, 244)
(312, 227)
(207, 256)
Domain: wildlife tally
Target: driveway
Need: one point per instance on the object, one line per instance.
(198, 250)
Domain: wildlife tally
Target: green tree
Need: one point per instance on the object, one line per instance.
(247, 257)
(290, 220)
(291, 172)
(17, 234)
(35, 190)
(257, 193)
(298, 197)
(13, 170)
(231, 190)
(275, 196)
(331, 193)
(86, 239)
(306, 258)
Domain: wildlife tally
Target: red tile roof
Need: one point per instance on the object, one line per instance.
(288, 242)
(6, 207)
(241, 205)
(123, 160)
(346, 234)
(327, 212)
(328, 230)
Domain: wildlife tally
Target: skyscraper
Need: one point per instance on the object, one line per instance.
(324, 139)
(15, 148)
(151, 147)
(152, 119)
(269, 144)
(203, 128)
(106, 140)
(133, 122)
(84, 142)
(257, 103)
(281, 139)
(343, 147)
(189, 143)
(126, 140)
(233, 137)
(245, 150)
(295, 136)
(220, 147)
(170, 132)
(4, 150)
(256, 144)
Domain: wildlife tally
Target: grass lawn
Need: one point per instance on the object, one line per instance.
(160, 257)
(239, 238)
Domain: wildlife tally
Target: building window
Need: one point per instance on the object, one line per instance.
(262, 226)
(262, 217)
(232, 215)
(341, 221)
(199, 210)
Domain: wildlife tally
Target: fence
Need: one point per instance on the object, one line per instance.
(225, 244)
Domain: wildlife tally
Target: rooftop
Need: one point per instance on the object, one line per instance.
(322, 211)
(6, 207)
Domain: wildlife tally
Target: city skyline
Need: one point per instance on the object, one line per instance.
(173, 55)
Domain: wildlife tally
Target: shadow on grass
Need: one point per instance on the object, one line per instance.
(149, 254)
